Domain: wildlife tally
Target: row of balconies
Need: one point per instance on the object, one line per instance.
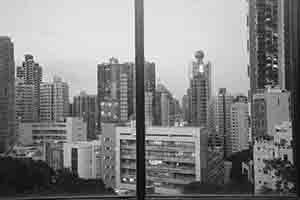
(163, 158)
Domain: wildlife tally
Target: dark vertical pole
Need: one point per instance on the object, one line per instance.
(294, 48)
(140, 98)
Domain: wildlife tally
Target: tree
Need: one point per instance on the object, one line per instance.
(26, 176)
(285, 172)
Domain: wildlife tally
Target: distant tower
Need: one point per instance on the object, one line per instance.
(199, 91)
(24, 96)
(31, 73)
(54, 100)
(115, 92)
(85, 106)
(7, 94)
(239, 121)
(222, 109)
(268, 61)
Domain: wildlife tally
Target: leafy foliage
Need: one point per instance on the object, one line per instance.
(285, 172)
(26, 176)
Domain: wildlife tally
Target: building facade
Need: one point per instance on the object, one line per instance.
(54, 100)
(175, 156)
(222, 118)
(148, 108)
(24, 101)
(108, 150)
(7, 93)
(31, 73)
(83, 158)
(115, 91)
(239, 130)
(149, 86)
(199, 90)
(85, 106)
(265, 45)
(269, 108)
(72, 130)
(164, 107)
(278, 146)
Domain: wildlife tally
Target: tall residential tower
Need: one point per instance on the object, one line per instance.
(7, 93)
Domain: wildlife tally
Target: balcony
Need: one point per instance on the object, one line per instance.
(181, 181)
(180, 170)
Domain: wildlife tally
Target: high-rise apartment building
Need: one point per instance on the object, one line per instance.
(269, 62)
(163, 98)
(54, 100)
(115, 91)
(199, 91)
(148, 108)
(85, 106)
(24, 101)
(265, 45)
(222, 117)
(239, 130)
(7, 93)
(31, 73)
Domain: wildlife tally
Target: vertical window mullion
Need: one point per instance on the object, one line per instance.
(140, 100)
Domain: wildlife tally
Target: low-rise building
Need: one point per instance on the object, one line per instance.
(71, 130)
(54, 155)
(269, 148)
(175, 156)
(83, 158)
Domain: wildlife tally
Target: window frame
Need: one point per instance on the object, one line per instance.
(140, 101)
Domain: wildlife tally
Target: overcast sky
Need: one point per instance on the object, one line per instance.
(69, 38)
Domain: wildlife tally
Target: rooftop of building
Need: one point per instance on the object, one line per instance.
(84, 143)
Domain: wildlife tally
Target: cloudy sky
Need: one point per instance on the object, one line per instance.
(69, 38)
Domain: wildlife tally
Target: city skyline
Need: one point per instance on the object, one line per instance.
(234, 131)
(52, 45)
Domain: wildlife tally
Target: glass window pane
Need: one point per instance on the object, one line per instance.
(222, 109)
(69, 67)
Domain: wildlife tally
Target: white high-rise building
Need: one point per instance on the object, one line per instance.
(124, 96)
(24, 101)
(46, 104)
(54, 100)
(148, 108)
(239, 120)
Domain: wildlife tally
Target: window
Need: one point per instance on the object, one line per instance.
(285, 157)
(191, 105)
